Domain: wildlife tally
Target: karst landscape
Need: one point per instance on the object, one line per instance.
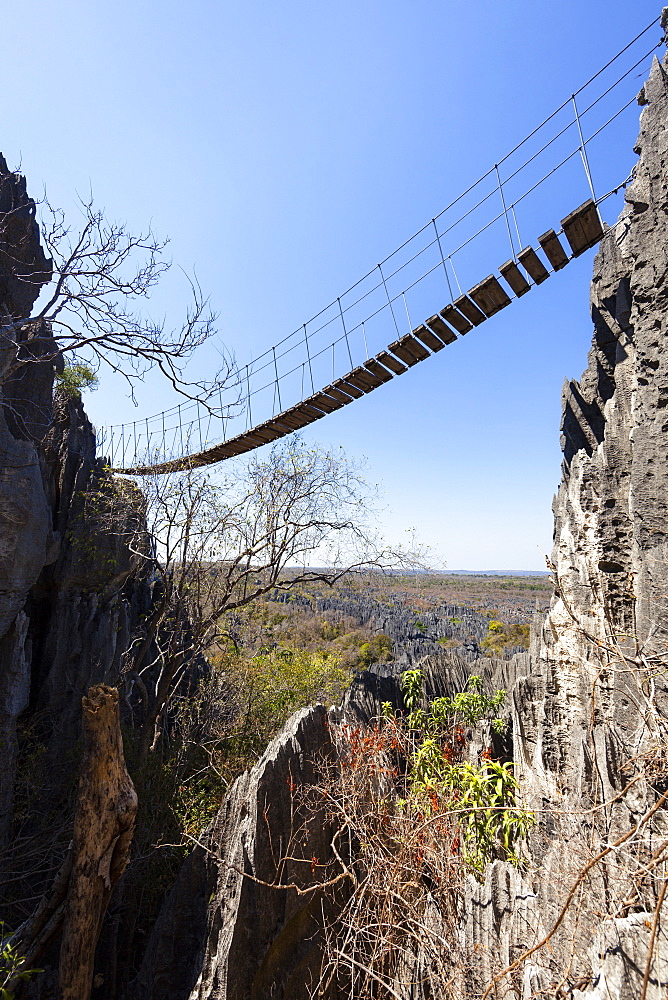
(229, 774)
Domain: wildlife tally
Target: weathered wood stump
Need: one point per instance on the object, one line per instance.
(103, 828)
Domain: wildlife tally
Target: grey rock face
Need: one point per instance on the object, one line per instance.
(225, 931)
(26, 541)
(576, 715)
(14, 694)
(23, 266)
(64, 616)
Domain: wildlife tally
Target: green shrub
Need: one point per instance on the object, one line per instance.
(12, 973)
(501, 637)
(441, 780)
(74, 378)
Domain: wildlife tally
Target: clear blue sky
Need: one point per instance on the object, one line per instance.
(285, 149)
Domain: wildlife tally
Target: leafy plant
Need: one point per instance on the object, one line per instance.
(74, 378)
(11, 971)
(439, 779)
(414, 816)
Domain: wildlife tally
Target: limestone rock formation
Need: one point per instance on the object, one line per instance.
(64, 618)
(226, 931)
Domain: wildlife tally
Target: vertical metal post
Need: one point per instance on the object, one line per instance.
(583, 148)
(517, 228)
(505, 211)
(366, 346)
(345, 332)
(408, 315)
(134, 433)
(445, 270)
(308, 355)
(278, 388)
(389, 300)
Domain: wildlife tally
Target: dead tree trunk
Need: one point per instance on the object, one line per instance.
(103, 828)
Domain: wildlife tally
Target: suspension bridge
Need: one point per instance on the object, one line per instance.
(365, 337)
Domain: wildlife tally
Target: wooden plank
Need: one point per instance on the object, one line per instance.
(324, 403)
(470, 310)
(363, 379)
(409, 350)
(235, 446)
(219, 453)
(347, 387)
(277, 425)
(489, 296)
(428, 338)
(378, 370)
(336, 393)
(583, 228)
(254, 438)
(389, 361)
(310, 411)
(441, 329)
(455, 319)
(334, 396)
(267, 434)
(293, 420)
(243, 444)
(515, 278)
(533, 265)
(553, 250)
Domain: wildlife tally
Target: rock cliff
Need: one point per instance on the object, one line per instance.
(64, 618)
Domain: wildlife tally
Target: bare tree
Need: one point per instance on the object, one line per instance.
(219, 544)
(91, 296)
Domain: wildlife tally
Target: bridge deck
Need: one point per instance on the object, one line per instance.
(582, 229)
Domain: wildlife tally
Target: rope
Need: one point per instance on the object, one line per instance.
(309, 359)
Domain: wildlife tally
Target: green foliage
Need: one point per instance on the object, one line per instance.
(264, 690)
(501, 637)
(378, 649)
(439, 780)
(74, 378)
(276, 682)
(468, 707)
(11, 971)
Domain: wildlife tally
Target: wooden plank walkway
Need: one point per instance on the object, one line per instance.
(582, 228)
